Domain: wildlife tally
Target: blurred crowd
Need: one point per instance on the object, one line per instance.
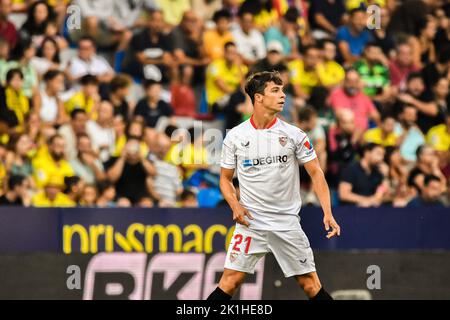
(100, 100)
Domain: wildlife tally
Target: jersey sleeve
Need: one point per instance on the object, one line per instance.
(304, 150)
(228, 158)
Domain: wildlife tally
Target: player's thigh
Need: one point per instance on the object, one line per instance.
(292, 252)
(246, 248)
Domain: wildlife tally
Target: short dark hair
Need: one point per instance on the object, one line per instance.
(309, 47)
(89, 79)
(291, 15)
(221, 14)
(430, 178)
(120, 81)
(54, 137)
(186, 194)
(369, 147)
(414, 75)
(76, 112)
(257, 82)
(306, 113)
(149, 83)
(229, 44)
(51, 74)
(13, 72)
(385, 116)
(14, 181)
(70, 182)
(356, 10)
(87, 38)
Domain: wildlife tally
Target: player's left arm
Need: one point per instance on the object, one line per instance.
(322, 191)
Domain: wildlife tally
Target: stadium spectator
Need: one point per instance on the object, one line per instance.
(87, 98)
(422, 44)
(383, 37)
(101, 131)
(71, 130)
(188, 199)
(383, 135)
(107, 195)
(215, 39)
(39, 15)
(432, 72)
(350, 96)
(14, 105)
(101, 23)
(150, 52)
(408, 15)
(438, 137)
(326, 17)
(87, 164)
(173, 10)
(273, 60)
(249, 40)
(89, 196)
(129, 173)
(430, 195)
(88, 62)
(51, 109)
(188, 49)
(364, 183)
(332, 73)
(118, 94)
(18, 159)
(167, 184)
(353, 36)
(410, 136)
(74, 187)
(427, 164)
(224, 76)
(151, 108)
(17, 192)
(8, 31)
(402, 65)
(51, 163)
(47, 57)
(286, 34)
(52, 195)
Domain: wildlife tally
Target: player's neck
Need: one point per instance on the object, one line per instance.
(263, 120)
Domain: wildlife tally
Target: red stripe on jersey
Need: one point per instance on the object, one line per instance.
(270, 125)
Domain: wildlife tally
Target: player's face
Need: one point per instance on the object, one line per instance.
(274, 97)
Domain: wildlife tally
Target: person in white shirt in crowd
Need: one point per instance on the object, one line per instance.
(51, 110)
(102, 132)
(87, 61)
(70, 131)
(249, 40)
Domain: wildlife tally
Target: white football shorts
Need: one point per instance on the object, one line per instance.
(290, 248)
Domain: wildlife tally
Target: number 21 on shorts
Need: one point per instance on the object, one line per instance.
(238, 240)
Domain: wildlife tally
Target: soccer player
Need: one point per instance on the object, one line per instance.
(266, 152)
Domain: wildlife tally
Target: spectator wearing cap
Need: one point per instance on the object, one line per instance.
(87, 61)
(224, 76)
(17, 192)
(87, 164)
(52, 163)
(88, 98)
(286, 34)
(70, 131)
(249, 40)
(52, 195)
(51, 109)
(353, 37)
(364, 183)
(350, 96)
(215, 39)
(150, 54)
(151, 108)
(273, 60)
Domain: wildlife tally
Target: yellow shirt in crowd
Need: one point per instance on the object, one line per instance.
(439, 138)
(214, 43)
(219, 69)
(45, 167)
(80, 101)
(375, 136)
(41, 200)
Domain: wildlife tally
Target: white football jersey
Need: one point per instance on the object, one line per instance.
(267, 164)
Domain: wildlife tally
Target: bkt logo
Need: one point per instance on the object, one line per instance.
(263, 161)
(167, 276)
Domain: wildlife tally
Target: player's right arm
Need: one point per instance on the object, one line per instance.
(229, 193)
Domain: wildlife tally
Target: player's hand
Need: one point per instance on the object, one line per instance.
(329, 221)
(239, 215)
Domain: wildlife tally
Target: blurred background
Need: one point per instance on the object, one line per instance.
(112, 114)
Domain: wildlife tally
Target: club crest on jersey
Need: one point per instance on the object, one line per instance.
(282, 140)
(245, 144)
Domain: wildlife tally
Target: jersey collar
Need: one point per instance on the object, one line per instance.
(270, 125)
